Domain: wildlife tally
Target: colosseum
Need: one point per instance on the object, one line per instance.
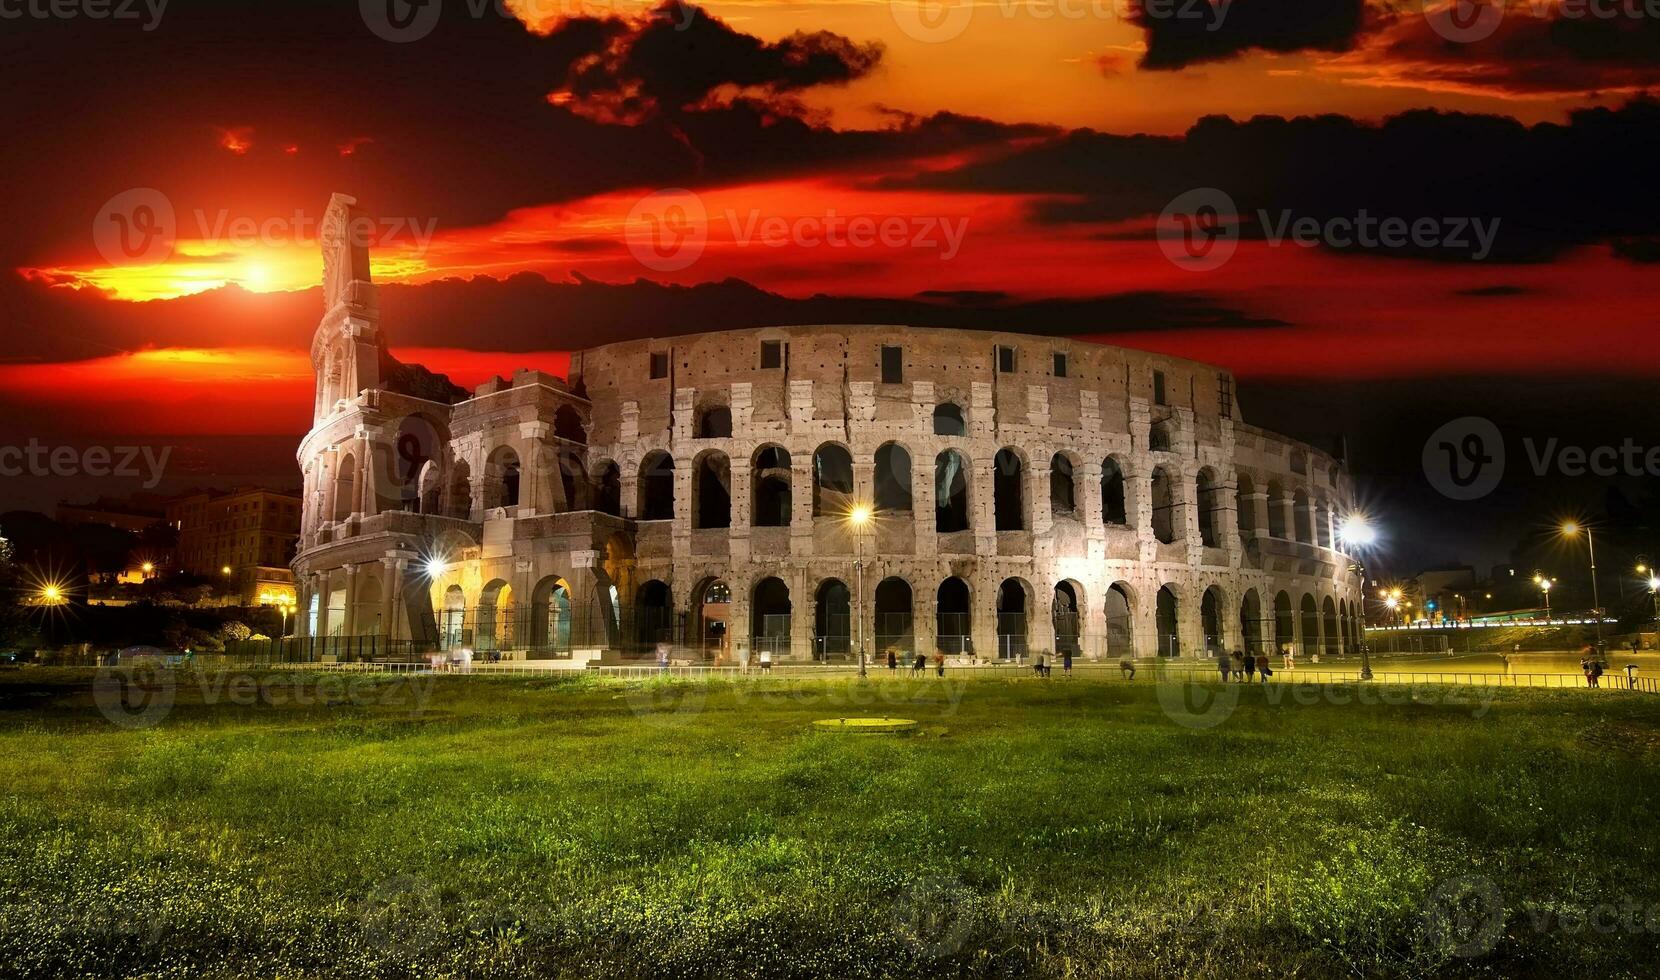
(811, 491)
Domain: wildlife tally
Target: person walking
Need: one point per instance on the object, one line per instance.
(1250, 667)
(1223, 663)
(919, 664)
(1037, 665)
(1238, 666)
(766, 661)
(1596, 673)
(893, 660)
(939, 663)
(1127, 668)
(1066, 661)
(1263, 668)
(1585, 668)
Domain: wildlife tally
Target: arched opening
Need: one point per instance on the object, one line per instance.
(712, 491)
(1211, 605)
(948, 420)
(1300, 514)
(1250, 621)
(712, 605)
(653, 614)
(415, 445)
(952, 618)
(431, 489)
(1013, 612)
(502, 476)
(714, 422)
(461, 491)
(550, 615)
(769, 618)
(494, 631)
(1276, 510)
(657, 487)
(1113, 507)
(893, 478)
(1334, 637)
(1166, 622)
(894, 616)
(573, 478)
(1210, 508)
(1158, 437)
(832, 480)
(832, 619)
(1164, 505)
(1067, 610)
(345, 488)
(366, 604)
(1245, 507)
(452, 627)
(1311, 626)
(1063, 492)
(567, 425)
(771, 479)
(1009, 491)
(1284, 626)
(608, 490)
(1120, 621)
(950, 492)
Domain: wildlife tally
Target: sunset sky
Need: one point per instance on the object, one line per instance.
(1009, 160)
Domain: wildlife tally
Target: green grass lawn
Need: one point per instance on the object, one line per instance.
(504, 827)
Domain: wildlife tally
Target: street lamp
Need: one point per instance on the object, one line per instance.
(1571, 529)
(1545, 587)
(859, 517)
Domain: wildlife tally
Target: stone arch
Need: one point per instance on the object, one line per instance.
(1211, 620)
(832, 480)
(711, 490)
(1165, 504)
(770, 480)
(1209, 489)
(569, 425)
(493, 630)
(832, 619)
(1066, 609)
(452, 627)
(607, 482)
(1009, 490)
(1285, 628)
(951, 492)
(1251, 622)
(1244, 506)
(1276, 510)
(714, 422)
(711, 626)
(950, 420)
(502, 471)
(1167, 621)
(346, 480)
(1310, 624)
(893, 478)
(550, 615)
(1118, 609)
(1333, 635)
(366, 602)
(653, 613)
(431, 488)
(1063, 487)
(895, 615)
(1159, 437)
(1322, 523)
(1300, 514)
(1114, 501)
(1014, 617)
(656, 490)
(419, 442)
(769, 617)
(954, 616)
(461, 490)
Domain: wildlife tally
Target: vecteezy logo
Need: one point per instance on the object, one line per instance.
(931, 21)
(668, 229)
(1464, 459)
(401, 21)
(135, 227)
(1199, 230)
(403, 915)
(1464, 21)
(1191, 703)
(937, 914)
(1464, 917)
(133, 698)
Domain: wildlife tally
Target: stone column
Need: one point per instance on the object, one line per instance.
(323, 604)
(922, 617)
(350, 628)
(803, 611)
(1258, 502)
(982, 604)
(742, 497)
(391, 588)
(541, 491)
(982, 504)
(1087, 481)
(922, 505)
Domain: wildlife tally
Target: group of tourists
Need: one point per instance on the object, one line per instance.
(920, 664)
(1245, 667)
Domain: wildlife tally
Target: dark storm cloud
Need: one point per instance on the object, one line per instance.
(455, 127)
(528, 313)
(1550, 186)
(1185, 33)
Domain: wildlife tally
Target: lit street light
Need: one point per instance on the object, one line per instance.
(1571, 529)
(859, 518)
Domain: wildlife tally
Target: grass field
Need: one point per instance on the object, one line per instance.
(505, 827)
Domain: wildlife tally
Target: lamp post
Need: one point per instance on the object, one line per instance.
(1570, 529)
(859, 518)
(1545, 586)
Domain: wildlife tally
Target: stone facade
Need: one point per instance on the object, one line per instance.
(1027, 494)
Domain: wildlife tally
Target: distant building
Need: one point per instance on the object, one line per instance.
(246, 535)
(133, 513)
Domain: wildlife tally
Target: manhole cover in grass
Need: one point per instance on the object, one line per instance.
(865, 726)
